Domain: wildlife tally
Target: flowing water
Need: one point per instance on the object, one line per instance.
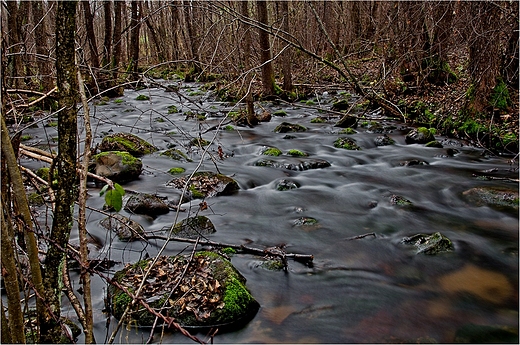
(371, 289)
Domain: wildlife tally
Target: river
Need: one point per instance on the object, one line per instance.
(368, 290)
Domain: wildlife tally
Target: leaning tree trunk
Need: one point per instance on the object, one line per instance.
(265, 50)
(286, 56)
(135, 25)
(244, 11)
(65, 164)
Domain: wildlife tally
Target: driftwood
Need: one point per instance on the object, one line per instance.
(273, 251)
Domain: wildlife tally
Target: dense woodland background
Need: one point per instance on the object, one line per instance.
(449, 65)
(453, 59)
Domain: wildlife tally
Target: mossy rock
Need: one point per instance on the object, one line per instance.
(434, 143)
(383, 140)
(192, 227)
(318, 119)
(286, 185)
(285, 127)
(176, 154)
(340, 105)
(398, 200)
(346, 143)
(126, 229)
(347, 130)
(207, 184)
(118, 166)
(347, 121)
(296, 153)
(271, 151)
(295, 166)
(126, 142)
(421, 135)
(503, 199)
(199, 142)
(429, 244)
(212, 293)
(280, 113)
(176, 170)
(147, 204)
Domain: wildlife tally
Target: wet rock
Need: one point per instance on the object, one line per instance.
(271, 151)
(413, 162)
(207, 184)
(346, 143)
(340, 105)
(118, 166)
(434, 143)
(176, 154)
(286, 185)
(383, 140)
(429, 244)
(305, 221)
(126, 142)
(397, 200)
(147, 204)
(285, 127)
(126, 229)
(375, 127)
(496, 197)
(484, 334)
(421, 135)
(192, 227)
(347, 121)
(212, 293)
(299, 166)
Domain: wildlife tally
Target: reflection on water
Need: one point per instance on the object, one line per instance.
(365, 290)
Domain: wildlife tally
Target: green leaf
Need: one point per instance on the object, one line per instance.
(120, 189)
(114, 199)
(103, 190)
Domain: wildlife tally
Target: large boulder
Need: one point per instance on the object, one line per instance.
(294, 164)
(204, 292)
(126, 142)
(429, 244)
(206, 184)
(421, 135)
(285, 127)
(499, 198)
(118, 166)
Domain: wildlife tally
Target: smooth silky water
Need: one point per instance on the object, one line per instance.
(371, 289)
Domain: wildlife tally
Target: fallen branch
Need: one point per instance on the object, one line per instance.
(361, 236)
(303, 258)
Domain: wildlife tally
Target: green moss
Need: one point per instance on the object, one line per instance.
(280, 113)
(176, 170)
(195, 193)
(127, 142)
(118, 101)
(121, 300)
(25, 137)
(35, 199)
(272, 151)
(142, 98)
(318, 120)
(296, 153)
(159, 119)
(310, 102)
(346, 143)
(127, 158)
(229, 128)
(172, 109)
(229, 251)
(347, 131)
(199, 142)
(52, 124)
(500, 96)
(195, 93)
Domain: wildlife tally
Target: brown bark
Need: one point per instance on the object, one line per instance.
(10, 276)
(65, 165)
(286, 56)
(42, 51)
(14, 61)
(265, 50)
(135, 26)
(244, 10)
(91, 37)
(107, 43)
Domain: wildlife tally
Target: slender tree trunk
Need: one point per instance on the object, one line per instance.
(158, 48)
(286, 56)
(107, 43)
(65, 164)
(91, 36)
(117, 43)
(14, 64)
(40, 37)
(12, 289)
(134, 38)
(20, 200)
(244, 11)
(265, 50)
(189, 18)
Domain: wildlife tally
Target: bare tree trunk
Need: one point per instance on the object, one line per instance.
(14, 64)
(244, 10)
(117, 43)
(16, 322)
(135, 26)
(107, 45)
(189, 18)
(286, 56)
(265, 50)
(40, 37)
(65, 163)
(91, 37)
(158, 49)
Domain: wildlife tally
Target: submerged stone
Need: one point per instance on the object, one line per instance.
(119, 166)
(496, 197)
(211, 293)
(206, 184)
(126, 142)
(126, 229)
(297, 166)
(429, 244)
(346, 143)
(347, 121)
(176, 154)
(286, 185)
(147, 204)
(383, 140)
(192, 227)
(285, 127)
(398, 200)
